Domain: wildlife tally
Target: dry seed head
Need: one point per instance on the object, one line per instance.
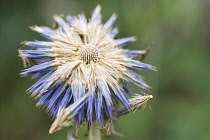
(68, 77)
(88, 53)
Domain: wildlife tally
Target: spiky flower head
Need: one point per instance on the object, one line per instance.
(82, 70)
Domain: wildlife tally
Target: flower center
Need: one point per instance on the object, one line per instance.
(88, 53)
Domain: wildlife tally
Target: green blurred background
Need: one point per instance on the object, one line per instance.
(180, 109)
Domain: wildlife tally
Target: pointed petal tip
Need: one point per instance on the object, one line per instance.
(133, 38)
(98, 7)
(114, 15)
(153, 68)
(56, 17)
(96, 15)
(31, 27)
(35, 28)
(27, 42)
(53, 128)
(51, 131)
(150, 96)
(124, 41)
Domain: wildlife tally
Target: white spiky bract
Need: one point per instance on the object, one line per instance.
(88, 41)
(139, 101)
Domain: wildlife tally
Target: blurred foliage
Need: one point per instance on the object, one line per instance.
(181, 30)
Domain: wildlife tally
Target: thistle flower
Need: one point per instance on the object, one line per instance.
(83, 70)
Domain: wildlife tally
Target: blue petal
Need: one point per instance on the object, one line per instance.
(48, 84)
(46, 97)
(54, 109)
(121, 95)
(133, 53)
(90, 102)
(39, 74)
(70, 20)
(37, 57)
(104, 90)
(44, 87)
(39, 44)
(78, 92)
(121, 112)
(82, 18)
(38, 54)
(56, 96)
(98, 108)
(139, 65)
(61, 23)
(96, 16)
(124, 41)
(110, 21)
(136, 79)
(75, 108)
(115, 102)
(114, 32)
(67, 98)
(44, 31)
(40, 81)
(108, 109)
(46, 66)
(126, 89)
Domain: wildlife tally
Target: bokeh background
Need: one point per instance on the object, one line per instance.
(180, 109)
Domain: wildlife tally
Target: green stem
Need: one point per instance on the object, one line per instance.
(71, 134)
(94, 133)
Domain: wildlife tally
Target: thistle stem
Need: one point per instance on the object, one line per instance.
(70, 135)
(94, 133)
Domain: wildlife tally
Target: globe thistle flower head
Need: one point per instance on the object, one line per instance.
(82, 70)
